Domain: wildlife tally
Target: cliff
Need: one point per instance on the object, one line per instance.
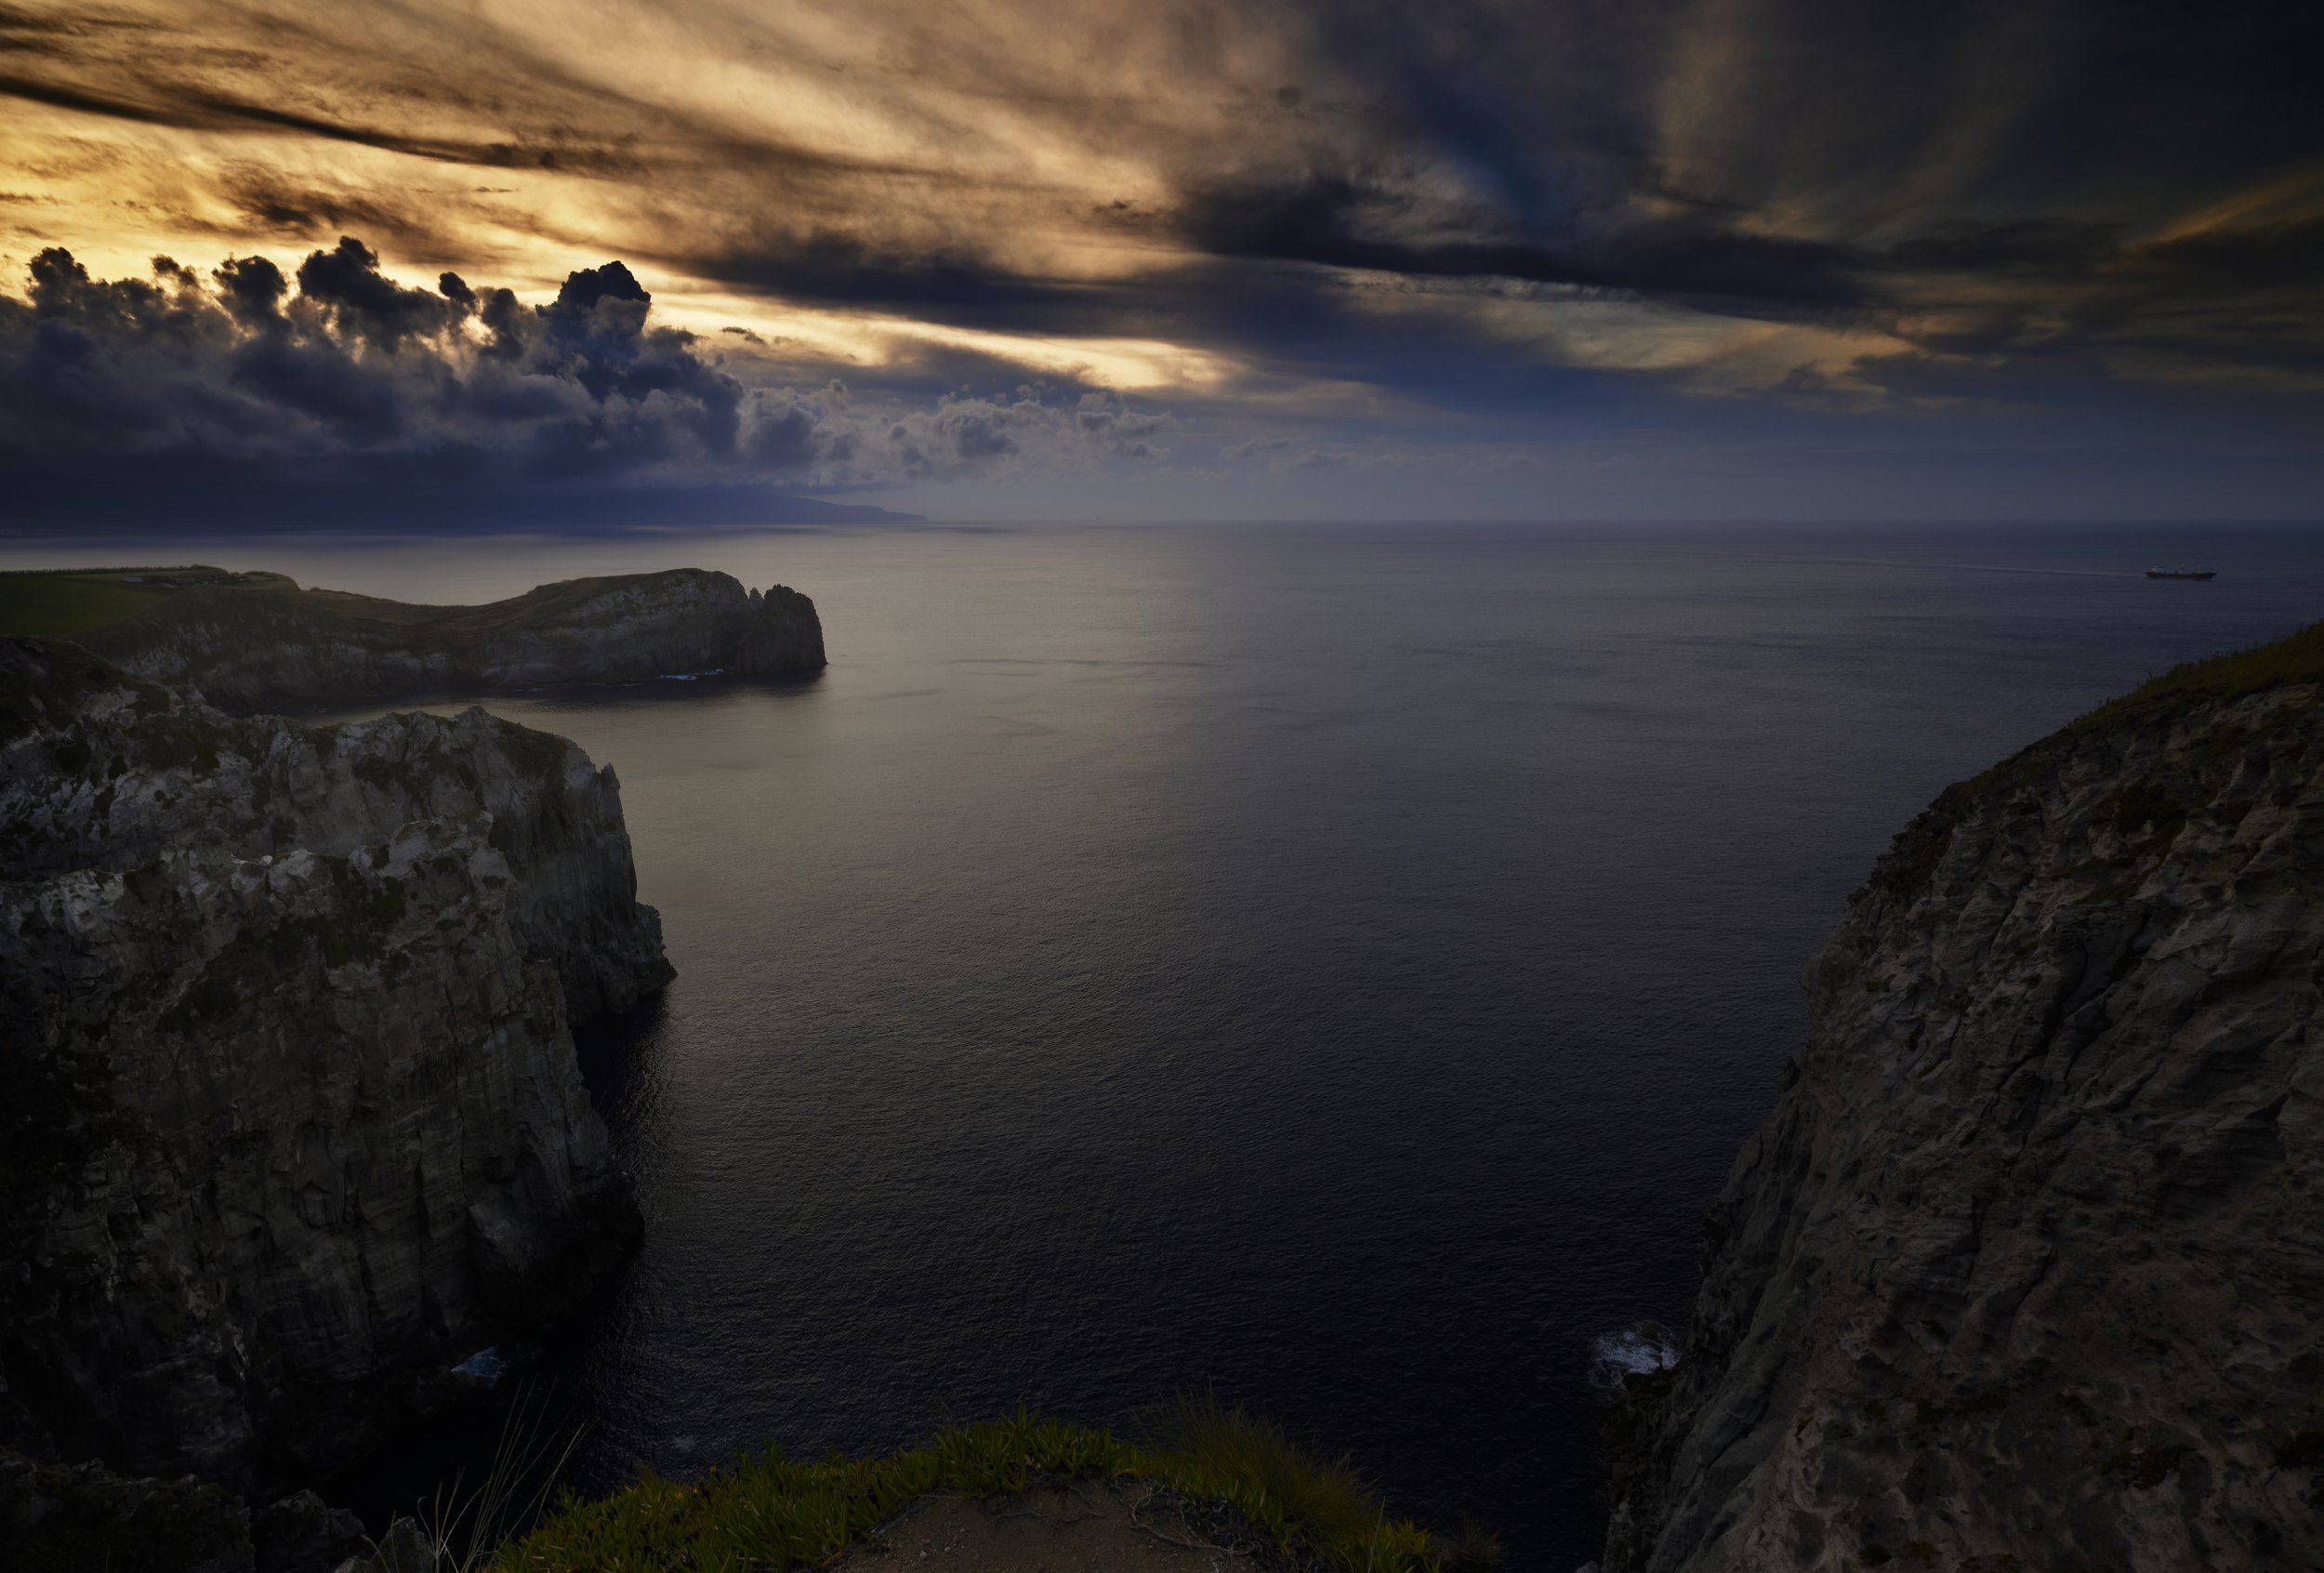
(268, 645)
(77, 1518)
(2023, 1271)
(290, 1120)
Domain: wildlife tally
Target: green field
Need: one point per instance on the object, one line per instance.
(68, 600)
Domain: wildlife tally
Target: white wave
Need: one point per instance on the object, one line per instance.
(486, 1366)
(1641, 1349)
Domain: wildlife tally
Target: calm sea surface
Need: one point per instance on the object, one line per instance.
(1332, 966)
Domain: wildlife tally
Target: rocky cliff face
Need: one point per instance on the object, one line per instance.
(290, 1114)
(2024, 1271)
(77, 1518)
(271, 646)
(782, 635)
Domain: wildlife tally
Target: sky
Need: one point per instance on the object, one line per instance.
(441, 265)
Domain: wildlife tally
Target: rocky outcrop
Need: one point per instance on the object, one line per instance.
(271, 646)
(2025, 1270)
(290, 1122)
(58, 1518)
(76, 1518)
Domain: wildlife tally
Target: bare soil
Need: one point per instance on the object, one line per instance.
(1126, 1525)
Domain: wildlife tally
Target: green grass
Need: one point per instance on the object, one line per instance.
(1206, 1451)
(49, 604)
(40, 602)
(2296, 657)
(765, 1513)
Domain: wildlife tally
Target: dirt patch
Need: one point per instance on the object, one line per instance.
(1122, 1526)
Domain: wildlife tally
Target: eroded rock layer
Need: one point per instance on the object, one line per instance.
(290, 1120)
(2025, 1272)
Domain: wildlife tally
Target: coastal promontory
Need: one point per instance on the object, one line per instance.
(247, 642)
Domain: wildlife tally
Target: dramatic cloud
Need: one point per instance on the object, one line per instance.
(1304, 219)
(351, 378)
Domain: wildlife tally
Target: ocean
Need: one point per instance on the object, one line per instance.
(1327, 966)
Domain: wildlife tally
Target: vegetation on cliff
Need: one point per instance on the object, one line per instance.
(69, 601)
(765, 1513)
(2296, 659)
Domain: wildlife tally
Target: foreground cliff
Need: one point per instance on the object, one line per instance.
(268, 645)
(290, 1122)
(2025, 1270)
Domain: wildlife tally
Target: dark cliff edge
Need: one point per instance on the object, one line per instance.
(268, 645)
(290, 1118)
(2025, 1270)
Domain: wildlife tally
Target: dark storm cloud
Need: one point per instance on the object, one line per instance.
(1319, 220)
(115, 393)
(842, 269)
(1806, 158)
(241, 365)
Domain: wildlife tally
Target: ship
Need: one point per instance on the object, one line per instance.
(2181, 574)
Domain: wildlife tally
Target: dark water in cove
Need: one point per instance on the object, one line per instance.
(1332, 966)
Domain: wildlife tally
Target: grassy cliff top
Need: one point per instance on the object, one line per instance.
(766, 1513)
(49, 602)
(2296, 657)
